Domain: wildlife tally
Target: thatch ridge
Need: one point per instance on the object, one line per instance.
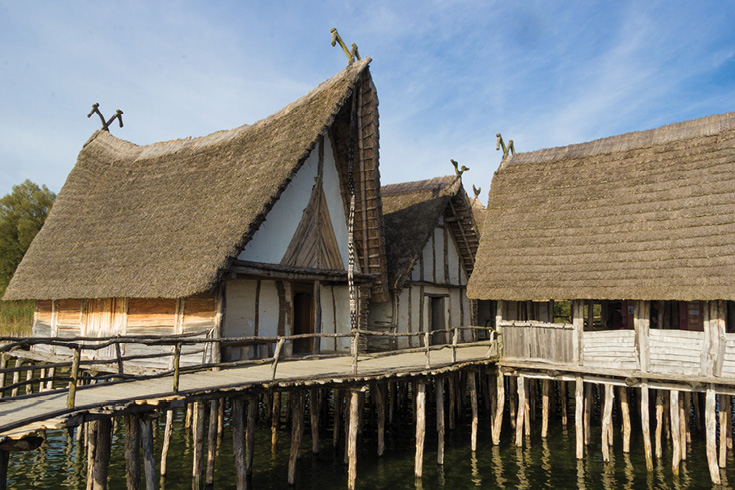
(411, 210)
(647, 215)
(167, 219)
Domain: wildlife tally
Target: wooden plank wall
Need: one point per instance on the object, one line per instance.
(609, 348)
(538, 341)
(728, 366)
(675, 351)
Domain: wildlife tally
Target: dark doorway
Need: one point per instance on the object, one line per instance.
(303, 317)
(437, 320)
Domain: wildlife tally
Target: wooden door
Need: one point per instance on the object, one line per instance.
(303, 317)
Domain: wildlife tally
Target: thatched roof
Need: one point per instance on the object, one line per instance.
(478, 212)
(411, 211)
(647, 215)
(166, 220)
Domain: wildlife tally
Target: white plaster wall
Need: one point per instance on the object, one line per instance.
(336, 205)
(455, 272)
(416, 271)
(380, 312)
(239, 320)
(342, 324)
(439, 249)
(428, 260)
(268, 306)
(403, 298)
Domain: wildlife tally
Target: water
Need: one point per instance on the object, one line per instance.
(548, 463)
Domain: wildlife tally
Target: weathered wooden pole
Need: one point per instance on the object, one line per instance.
(250, 434)
(683, 406)
(197, 467)
(439, 391)
(297, 430)
(659, 422)
(500, 408)
(211, 442)
(91, 452)
(275, 417)
(166, 443)
(512, 400)
(625, 415)
(452, 401)
(675, 439)
(337, 412)
(420, 427)
(563, 399)
(724, 400)
(587, 412)
(545, 395)
(16, 376)
(473, 403)
(238, 437)
(711, 427)
(607, 422)
(314, 419)
(521, 384)
(102, 454)
(354, 403)
(132, 452)
(646, 426)
(380, 390)
(579, 416)
(149, 459)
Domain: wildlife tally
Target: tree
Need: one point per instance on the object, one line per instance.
(22, 213)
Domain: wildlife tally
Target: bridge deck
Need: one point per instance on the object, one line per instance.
(20, 417)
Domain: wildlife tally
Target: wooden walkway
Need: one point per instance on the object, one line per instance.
(21, 417)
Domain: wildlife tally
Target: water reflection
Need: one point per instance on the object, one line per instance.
(498, 467)
(628, 470)
(475, 471)
(580, 475)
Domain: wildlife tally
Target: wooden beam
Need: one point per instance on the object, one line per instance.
(420, 428)
(711, 424)
(646, 427)
(354, 403)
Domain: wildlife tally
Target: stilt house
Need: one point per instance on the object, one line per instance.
(431, 241)
(239, 233)
(638, 232)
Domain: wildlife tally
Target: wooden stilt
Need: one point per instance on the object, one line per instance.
(587, 412)
(512, 400)
(683, 405)
(51, 374)
(91, 452)
(659, 422)
(521, 388)
(391, 401)
(380, 393)
(352, 421)
(531, 404)
(607, 422)
(563, 399)
(132, 452)
(314, 419)
(696, 401)
(452, 402)
(545, 395)
(189, 412)
(687, 415)
(102, 454)
(646, 427)
(250, 434)
(723, 430)
(579, 415)
(211, 442)
(198, 416)
(346, 416)
(420, 427)
(625, 415)
(297, 421)
(473, 403)
(275, 417)
(675, 439)
(711, 425)
(439, 390)
(220, 422)
(166, 443)
(728, 429)
(149, 459)
(238, 438)
(16, 376)
(500, 407)
(337, 412)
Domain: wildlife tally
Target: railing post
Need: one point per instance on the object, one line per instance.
(177, 363)
(455, 335)
(355, 350)
(3, 365)
(276, 355)
(427, 337)
(118, 353)
(74, 377)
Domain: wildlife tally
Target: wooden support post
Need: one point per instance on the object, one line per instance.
(50, 382)
(675, 439)
(473, 402)
(250, 434)
(587, 412)
(659, 422)
(91, 452)
(16, 376)
(189, 412)
(625, 415)
(728, 429)
(380, 390)
(579, 416)
(578, 335)
(683, 424)
(512, 400)
(337, 412)
(646, 426)
(314, 419)
(607, 422)
(439, 391)
(211, 442)
(452, 401)
(711, 425)
(166, 443)
(238, 437)
(74, 377)
(149, 459)
(521, 382)
(198, 455)
(220, 422)
(354, 403)
(275, 417)
(102, 454)
(563, 399)
(29, 385)
(527, 406)
(724, 399)
(297, 428)
(420, 427)
(545, 395)
(500, 408)
(132, 452)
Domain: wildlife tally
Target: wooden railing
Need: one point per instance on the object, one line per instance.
(114, 368)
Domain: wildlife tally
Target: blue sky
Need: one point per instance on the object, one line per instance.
(449, 74)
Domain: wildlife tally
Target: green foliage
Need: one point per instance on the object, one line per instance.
(16, 318)
(562, 312)
(22, 213)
